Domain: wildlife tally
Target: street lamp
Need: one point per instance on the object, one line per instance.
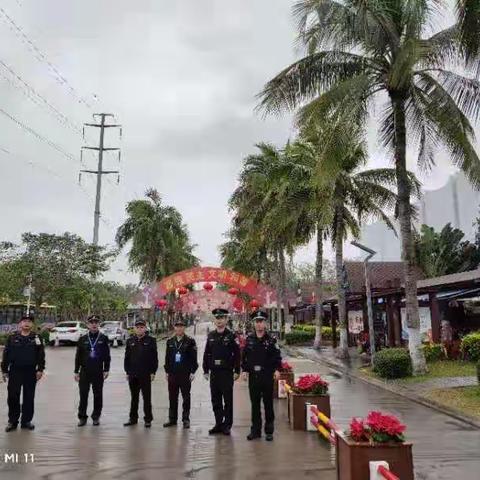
(371, 332)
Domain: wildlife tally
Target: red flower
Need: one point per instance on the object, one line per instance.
(286, 367)
(357, 430)
(311, 384)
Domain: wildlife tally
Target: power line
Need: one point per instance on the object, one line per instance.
(36, 97)
(41, 57)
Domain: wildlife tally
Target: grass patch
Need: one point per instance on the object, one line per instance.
(464, 399)
(439, 369)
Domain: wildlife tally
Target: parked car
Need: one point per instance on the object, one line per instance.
(67, 332)
(115, 330)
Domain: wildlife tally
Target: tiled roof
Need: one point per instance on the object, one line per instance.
(469, 276)
(383, 275)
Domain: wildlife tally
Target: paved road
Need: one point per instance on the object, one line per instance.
(62, 450)
(444, 449)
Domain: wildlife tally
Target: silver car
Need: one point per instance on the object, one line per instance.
(115, 331)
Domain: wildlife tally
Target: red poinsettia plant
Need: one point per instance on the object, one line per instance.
(378, 427)
(286, 368)
(311, 385)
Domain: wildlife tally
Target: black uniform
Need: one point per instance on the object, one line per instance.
(180, 363)
(141, 361)
(261, 357)
(23, 357)
(221, 359)
(92, 359)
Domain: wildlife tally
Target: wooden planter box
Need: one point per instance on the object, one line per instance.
(288, 376)
(353, 458)
(296, 408)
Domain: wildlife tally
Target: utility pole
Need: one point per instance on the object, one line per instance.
(99, 172)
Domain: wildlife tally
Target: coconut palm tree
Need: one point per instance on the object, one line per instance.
(362, 52)
(160, 240)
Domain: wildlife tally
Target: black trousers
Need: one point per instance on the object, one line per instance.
(221, 389)
(260, 387)
(137, 384)
(19, 378)
(95, 380)
(179, 382)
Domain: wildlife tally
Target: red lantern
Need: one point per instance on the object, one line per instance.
(182, 291)
(254, 304)
(162, 303)
(208, 287)
(233, 291)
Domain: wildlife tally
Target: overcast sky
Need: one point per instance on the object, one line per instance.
(181, 77)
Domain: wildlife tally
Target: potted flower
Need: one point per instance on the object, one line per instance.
(286, 375)
(378, 437)
(310, 389)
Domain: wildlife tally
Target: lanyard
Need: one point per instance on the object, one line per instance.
(178, 346)
(92, 345)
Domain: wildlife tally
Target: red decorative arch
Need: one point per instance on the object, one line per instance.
(243, 283)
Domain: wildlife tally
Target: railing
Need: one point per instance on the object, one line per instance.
(323, 424)
(381, 471)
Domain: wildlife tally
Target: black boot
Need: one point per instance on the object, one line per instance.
(269, 437)
(96, 422)
(216, 429)
(11, 427)
(186, 424)
(82, 422)
(170, 423)
(130, 423)
(253, 436)
(27, 426)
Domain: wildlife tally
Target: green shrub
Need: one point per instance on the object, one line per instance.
(304, 328)
(298, 336)
(433, 352)
(393, 363)
(45, 336)
(471, 346)
(327, 333)
(478, 372)
(3, 338)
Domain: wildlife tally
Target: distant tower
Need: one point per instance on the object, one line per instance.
(456, 210)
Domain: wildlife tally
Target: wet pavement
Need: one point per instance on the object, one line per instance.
(444, 448)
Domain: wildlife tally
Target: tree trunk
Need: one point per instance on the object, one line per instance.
(408, 250)
(342, 351)
(278, 289)
(318, 289)
(283, 291)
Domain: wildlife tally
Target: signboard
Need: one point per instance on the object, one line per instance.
(425, 322)
(355, 321)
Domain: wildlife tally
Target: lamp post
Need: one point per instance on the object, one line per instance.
(368, 288)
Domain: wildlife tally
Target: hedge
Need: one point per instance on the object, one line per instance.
(393, 363)
(470, 346)
(433, 352)
(327, 332)
(298, 336)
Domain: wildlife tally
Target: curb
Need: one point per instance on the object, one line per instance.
(451, 412)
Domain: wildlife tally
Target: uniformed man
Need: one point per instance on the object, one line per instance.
(23, 364)
(221, 364)
(92, 364)
(141, 364)
(180, 367)
(261, 363)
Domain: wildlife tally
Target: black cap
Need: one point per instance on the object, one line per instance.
(140, 321)
(220, 312)
(26, 317)
(179, 322)
(93, 319)
(259, 315)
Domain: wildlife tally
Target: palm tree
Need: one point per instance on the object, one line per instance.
(345, 195)
(263, 213)
(364, 51)
(160, 241)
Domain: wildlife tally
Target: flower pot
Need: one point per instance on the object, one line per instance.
(288, 377)
(353, 458)
(296, 408)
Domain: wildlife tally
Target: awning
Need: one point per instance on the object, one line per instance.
(457, 293)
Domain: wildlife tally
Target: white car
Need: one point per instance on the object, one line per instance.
(114, 330)
(67, 332)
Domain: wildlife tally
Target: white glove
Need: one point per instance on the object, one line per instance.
(206, 376)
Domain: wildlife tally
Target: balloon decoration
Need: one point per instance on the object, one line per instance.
(233, 291)
(208, 287)
(182, 291)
